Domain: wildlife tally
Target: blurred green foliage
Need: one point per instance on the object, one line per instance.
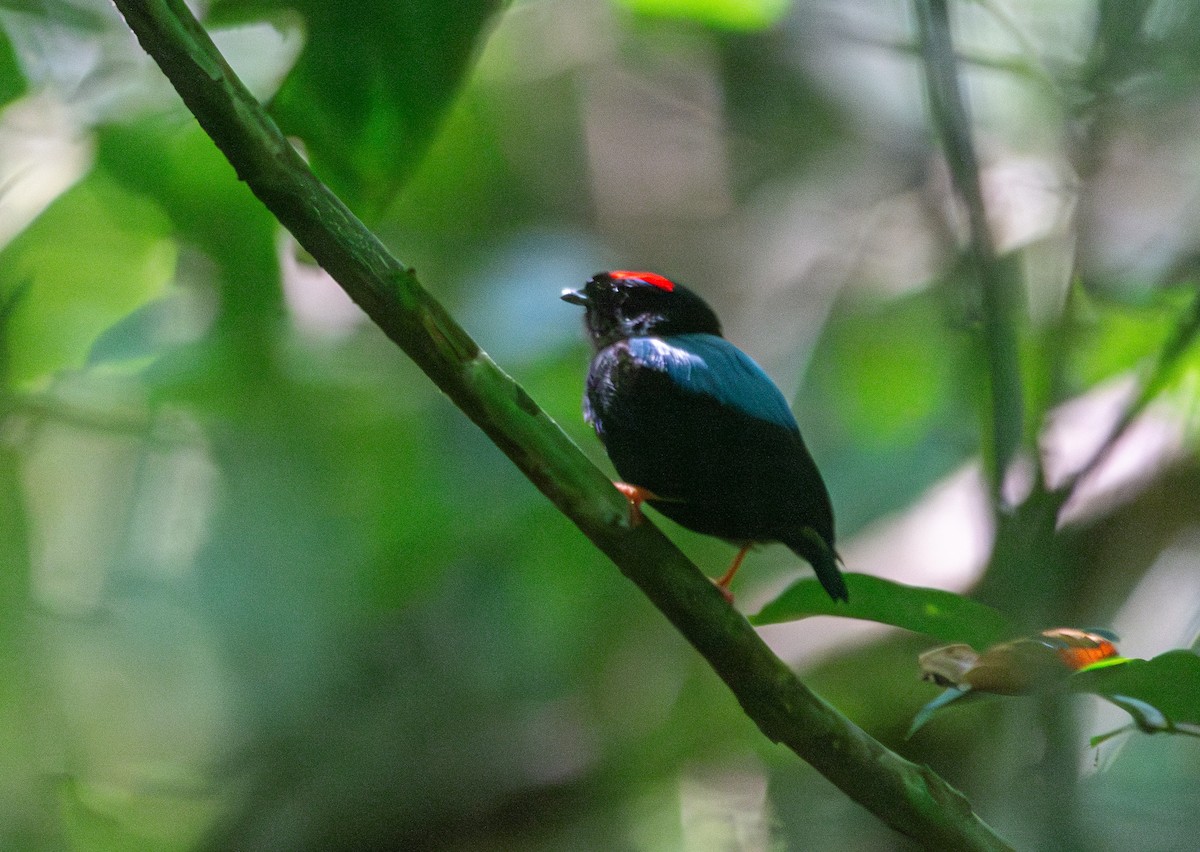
(726, 14)
(264, 588)
(93, 256)
(371, 86)
(12, 83)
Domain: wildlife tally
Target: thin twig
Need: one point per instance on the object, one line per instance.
(1183, 336)
(910, 798)
(1118, 53)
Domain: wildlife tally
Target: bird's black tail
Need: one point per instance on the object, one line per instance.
(824, 560)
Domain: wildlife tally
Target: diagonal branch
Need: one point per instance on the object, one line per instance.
(911, 799)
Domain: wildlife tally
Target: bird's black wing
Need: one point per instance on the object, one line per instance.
(694, 420)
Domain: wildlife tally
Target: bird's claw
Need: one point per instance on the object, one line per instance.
(724, 590)
(636, 495)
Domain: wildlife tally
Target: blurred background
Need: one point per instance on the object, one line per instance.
(264, 588)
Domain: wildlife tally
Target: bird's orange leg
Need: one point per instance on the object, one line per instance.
(636, 495)
(727, 578)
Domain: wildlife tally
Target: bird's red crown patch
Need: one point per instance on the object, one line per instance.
(653, 278)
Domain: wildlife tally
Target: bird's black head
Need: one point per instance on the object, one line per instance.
(623, 304)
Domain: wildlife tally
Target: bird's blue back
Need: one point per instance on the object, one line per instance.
(711, 365)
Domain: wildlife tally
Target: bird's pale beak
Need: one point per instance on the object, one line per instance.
(574, 297)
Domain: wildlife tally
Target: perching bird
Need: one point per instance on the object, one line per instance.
(695, 427)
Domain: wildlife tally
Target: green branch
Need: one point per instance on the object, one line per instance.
(910, 798)
(997, 287)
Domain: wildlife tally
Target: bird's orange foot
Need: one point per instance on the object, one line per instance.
(727, 578)
(636, 495)
(725, 593)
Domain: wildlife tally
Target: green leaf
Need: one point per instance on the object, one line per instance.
(743, 15)
(1116, 336)
(952, 694)
(940, 614)
(1169, 685)
(12, 82)
(96, 254)
(189, 178)
(372, 85)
